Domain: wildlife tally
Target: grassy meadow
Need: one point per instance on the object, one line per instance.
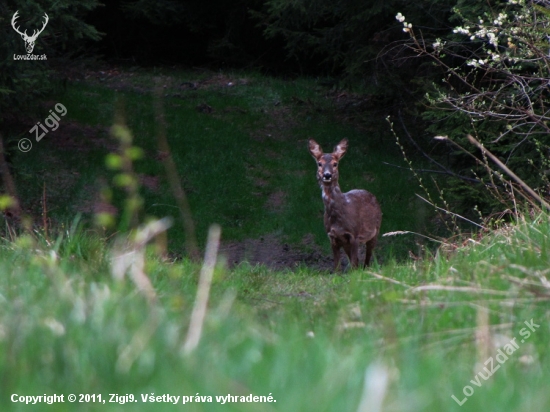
(240, 151)
(407, 334)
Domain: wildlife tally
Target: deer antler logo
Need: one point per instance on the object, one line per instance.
(29, 40)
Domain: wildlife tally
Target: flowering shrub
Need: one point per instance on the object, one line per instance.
(497, 73)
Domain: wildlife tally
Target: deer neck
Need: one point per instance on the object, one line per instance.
(332, 195)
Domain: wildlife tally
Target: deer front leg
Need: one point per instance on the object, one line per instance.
(335, 253)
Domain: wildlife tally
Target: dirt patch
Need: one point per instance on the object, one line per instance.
(78, 137)
(221, 80)
(271, 251)
(120, 79)
(276, 201)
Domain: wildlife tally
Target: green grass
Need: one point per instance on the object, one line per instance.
(306, 337)
(245, 165)
(302, 336)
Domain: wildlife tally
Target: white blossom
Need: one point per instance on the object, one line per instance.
(500, 19)
(492, 39)
(481, 33)
(461, 30)
(437, 45)
(400, 18)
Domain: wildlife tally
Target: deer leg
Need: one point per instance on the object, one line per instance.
(336, 253)
(351, 247)
(347, 249)
(354, 253)
(368, 253)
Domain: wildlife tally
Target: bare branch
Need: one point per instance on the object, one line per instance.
(509, 172)
(203, 291)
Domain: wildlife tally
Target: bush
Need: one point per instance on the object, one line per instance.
(496, 68)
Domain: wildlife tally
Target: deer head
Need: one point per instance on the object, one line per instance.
(327, 172)
(29, 40)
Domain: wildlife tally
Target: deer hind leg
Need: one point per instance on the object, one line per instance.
(369, 248)
(352, 250)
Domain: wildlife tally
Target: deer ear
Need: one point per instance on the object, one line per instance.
(315, 149)
(341, 148)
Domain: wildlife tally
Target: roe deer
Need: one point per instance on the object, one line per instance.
(350, 218)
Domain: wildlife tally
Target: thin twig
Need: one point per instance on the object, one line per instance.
(203, 291)
(467, 289)
(377, 377)
(139, 341)
(173, 179)
(45, 213)
(441, 172)
(129, 256)
(406, 232)
(377, 276)
(495, 159)
(452, 213)
(537, 289)
(431, 159)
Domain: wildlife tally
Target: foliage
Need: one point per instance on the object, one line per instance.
(192, 32)
(496, 68)
(343, 37)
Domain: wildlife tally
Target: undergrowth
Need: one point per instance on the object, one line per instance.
(303, 336)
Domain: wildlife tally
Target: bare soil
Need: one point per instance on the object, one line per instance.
(270, 251)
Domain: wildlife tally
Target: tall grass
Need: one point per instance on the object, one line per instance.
(302, 336)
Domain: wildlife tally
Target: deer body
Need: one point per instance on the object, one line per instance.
(351, 218)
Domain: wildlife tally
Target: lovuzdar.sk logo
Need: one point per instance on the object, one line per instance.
(29, 40)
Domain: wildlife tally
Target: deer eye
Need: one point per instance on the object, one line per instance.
(335, 164)
(319, 164)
